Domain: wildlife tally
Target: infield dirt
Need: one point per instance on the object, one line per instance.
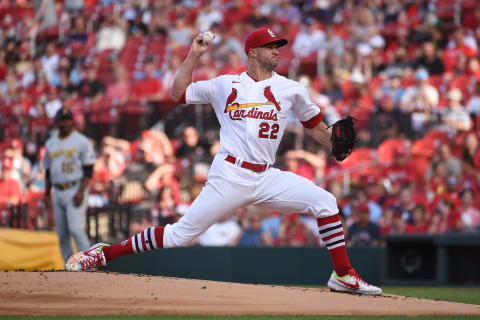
(68, 293)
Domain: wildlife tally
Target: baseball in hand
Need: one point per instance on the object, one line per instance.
(207, 37)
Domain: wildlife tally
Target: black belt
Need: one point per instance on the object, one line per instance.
(65, 186)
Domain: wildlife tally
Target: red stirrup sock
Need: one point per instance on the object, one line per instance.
(148, 239)
(331, 232)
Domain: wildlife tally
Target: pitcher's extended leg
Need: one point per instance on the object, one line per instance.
(218, 198)
(287, 192)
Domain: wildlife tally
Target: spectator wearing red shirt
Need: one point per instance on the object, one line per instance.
(392, 222)
(294, 163)
(149, 88)
(40, 86)
(318, 162)
(293, 232)
(162, 177)
(436, 184)
(24, 102)
(163, 210)
(238, 10)
(3, 65)
(400, 172)
(119, 90)
(204, 68)
(233, 66)
(444, 219)
(419, 222)
(459, 45)
(10, 189)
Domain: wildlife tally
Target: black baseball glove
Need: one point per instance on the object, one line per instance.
(343, 138)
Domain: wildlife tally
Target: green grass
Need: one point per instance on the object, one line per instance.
(454, 294)
(239, 317)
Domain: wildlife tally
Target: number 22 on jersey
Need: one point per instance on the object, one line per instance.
(265, 131)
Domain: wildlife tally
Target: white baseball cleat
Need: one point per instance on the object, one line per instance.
(88, 260)
(352, 283)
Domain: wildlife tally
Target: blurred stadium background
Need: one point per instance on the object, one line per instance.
(409, 71)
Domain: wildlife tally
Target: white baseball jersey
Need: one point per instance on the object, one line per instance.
(253, 114)
(65, 157)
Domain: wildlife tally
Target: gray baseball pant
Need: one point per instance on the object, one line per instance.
(70, 220)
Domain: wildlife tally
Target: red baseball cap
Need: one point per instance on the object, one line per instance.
(363, 207)
(261, 37)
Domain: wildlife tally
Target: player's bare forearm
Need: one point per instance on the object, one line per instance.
(183, 77)
(322, 135)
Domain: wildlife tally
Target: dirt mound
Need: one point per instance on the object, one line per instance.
(68, 293)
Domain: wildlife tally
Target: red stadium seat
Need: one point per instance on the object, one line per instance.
(386, 150)
(358, 157)
(426, 146)
(421, 165)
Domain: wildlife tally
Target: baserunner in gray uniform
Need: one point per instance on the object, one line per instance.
(69, 160)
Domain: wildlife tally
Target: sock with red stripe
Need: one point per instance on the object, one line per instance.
(331, 232)
(148, 239)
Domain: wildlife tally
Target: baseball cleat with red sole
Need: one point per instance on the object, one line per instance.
(352, 283)
(89, 260)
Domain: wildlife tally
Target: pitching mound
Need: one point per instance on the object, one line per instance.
(68, 293)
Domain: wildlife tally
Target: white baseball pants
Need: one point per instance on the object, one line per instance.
(229, 186)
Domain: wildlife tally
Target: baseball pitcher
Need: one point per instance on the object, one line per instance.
(69, 160)
(252, 109)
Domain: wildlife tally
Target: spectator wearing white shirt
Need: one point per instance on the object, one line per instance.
(308, 40)
(50, 62)
(45, 13)
(473, 105)
(208, 17)
(223, 233)
(53, 103)
(456, 118)
(181, 34)
(421, 101)
(423, 92)
(470, 214)
(333, 44)
(112, 34)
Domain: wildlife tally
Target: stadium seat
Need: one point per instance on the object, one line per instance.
(386, 150)
(360, 156)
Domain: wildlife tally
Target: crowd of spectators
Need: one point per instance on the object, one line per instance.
(408, 71)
